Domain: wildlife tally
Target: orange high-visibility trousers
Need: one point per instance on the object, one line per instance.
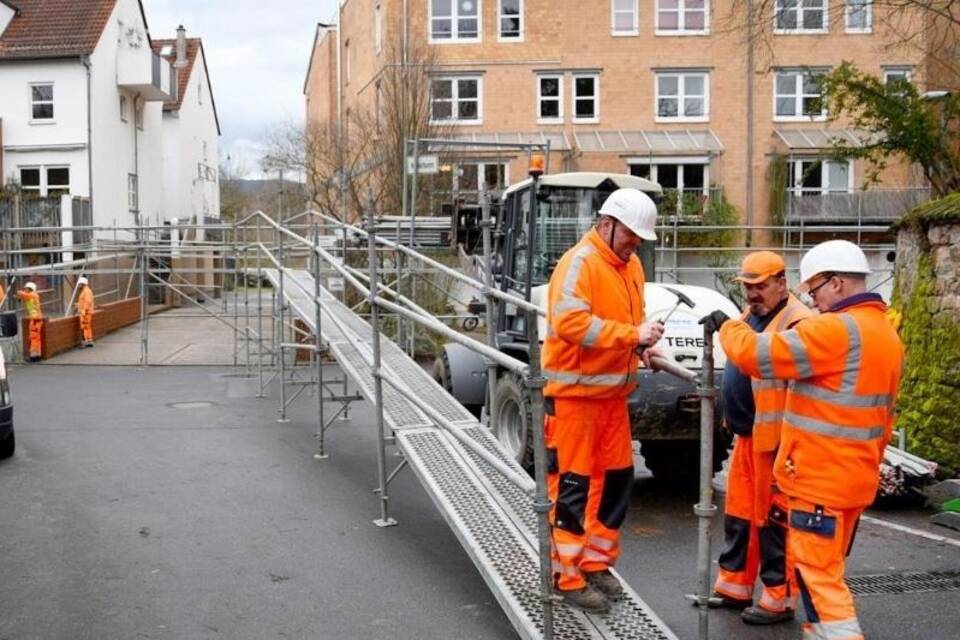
(86, 326)
(36, 337)
(819, 541)
(590, 475)
(754, 531)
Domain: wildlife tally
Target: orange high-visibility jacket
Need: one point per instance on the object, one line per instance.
(3, 294)
(85, 301)
(31, 302)
(594, 306)
(845, 366)
(770, 396)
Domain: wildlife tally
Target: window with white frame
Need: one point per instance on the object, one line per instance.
(800, 16)
(41, 102)
(685, 181)
(378, 28)
(456, 99)
(480, 176)
(452, 20)
(858, 16)
(817, 177)
(798, 95)
(896, 74)
(586, 97)
(133, 197)
(58, 181)
(625, 20)
(683, 96)
(683, 17)
(549, 98)
(30, 181)
(124, 108)
(511, 20)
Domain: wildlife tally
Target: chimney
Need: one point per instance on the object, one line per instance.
(181, 47)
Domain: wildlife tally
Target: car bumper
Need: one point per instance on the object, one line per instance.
(666, 407)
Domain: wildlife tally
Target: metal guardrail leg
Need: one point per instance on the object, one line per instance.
(281, 325)
(345, 415)
(144, 311)
(384, 520)
(486, 224)
(541, 502)
(259, 313)
(318, 348)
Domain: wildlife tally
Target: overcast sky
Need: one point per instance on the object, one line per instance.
(257, 53)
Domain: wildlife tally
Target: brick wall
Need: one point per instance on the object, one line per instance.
(63, 334)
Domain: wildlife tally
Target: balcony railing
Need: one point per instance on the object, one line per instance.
(872, 205)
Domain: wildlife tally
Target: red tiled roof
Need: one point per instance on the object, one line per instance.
(183, 74)
(55, 28)
(194, 51)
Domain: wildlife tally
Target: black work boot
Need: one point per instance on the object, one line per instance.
(721, 601)
(589, 599)
(761, 616)
(606, 582)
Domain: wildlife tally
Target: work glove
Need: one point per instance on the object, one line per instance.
(714, 320)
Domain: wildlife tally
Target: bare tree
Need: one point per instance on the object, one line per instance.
(930, 28)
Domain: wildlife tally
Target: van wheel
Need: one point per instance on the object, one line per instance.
(7, 446)
(441, 375)
(511, 419)
(677, 462)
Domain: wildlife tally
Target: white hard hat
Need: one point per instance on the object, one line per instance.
(30, 286)
(82, 280)
(832, 256)
(634, 209)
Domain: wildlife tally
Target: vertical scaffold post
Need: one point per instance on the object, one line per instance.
(345, 414)
(535, 384)
(384, 520)
(398, 261)
(236, 293)
(281, 303)
(318, 352)
(486, 225)
(259, 310)
(705, 509)
(412, 276)
(144, 310)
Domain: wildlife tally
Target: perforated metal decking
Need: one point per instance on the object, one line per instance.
(492, 518)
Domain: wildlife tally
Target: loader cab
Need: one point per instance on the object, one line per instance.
(566, 207)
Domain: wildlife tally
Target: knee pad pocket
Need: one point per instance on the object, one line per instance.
(572, 502)
(615, 498)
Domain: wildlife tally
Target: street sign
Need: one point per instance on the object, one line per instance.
(425, 164)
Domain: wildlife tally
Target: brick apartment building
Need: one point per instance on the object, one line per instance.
(657, 88)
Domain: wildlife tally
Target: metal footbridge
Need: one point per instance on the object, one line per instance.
(462, 467)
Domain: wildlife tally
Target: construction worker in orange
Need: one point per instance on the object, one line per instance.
(754, 514)
(85, 311)
(31, 304)
(596, 340)
(3, 295)
(844, 365)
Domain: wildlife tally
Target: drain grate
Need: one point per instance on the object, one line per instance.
(913, 582)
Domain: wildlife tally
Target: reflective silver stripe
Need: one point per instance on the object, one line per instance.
(836, 630)
(573, 273)
(733, 590)
(835, 431)
(569, 549)
(847, 399)
(570, 304)
(799, 352)
(775, 604)
(760, 385)
(601, 543)
(596, 326)
(764, 363)
(593, 555)
(773, 416)
(601, 380)
(849, 381)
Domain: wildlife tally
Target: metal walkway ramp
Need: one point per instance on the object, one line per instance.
(493, 518)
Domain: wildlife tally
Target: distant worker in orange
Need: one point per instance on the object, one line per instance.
(596, 339)
(755, 515)
(845, 366)
(85, 311)
(31, 304)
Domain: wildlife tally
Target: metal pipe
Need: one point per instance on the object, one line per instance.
(486, 224)
(281, 303)
(259, 316)
(384, 520)
(144, 312)
(705, 509)
(319, 351)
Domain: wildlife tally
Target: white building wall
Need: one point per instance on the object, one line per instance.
(60, 142)
(191, 151)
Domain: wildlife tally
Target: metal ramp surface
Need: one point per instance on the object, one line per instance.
(493, 518)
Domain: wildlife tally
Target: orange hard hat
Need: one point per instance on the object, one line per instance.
(760, 265)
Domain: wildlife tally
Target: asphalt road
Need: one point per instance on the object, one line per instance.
(135, 509)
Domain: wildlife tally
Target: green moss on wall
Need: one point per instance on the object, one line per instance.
(930, 389)
(940, 211)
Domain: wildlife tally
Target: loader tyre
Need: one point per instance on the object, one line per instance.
(441, 374)
(511, 420)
